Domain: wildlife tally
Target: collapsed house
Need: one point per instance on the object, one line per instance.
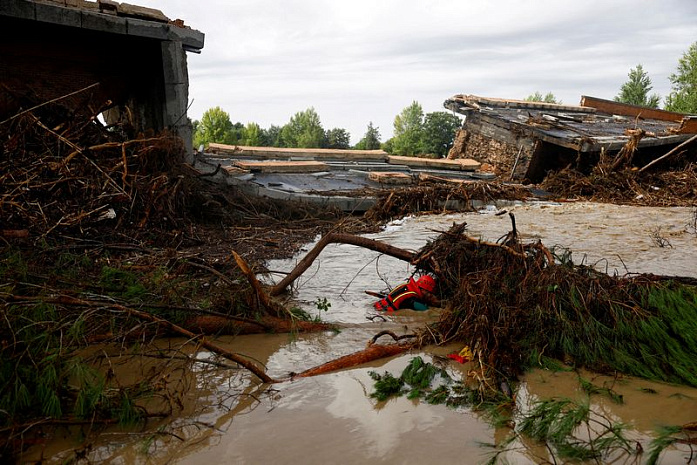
(525, 140)
(98, 56)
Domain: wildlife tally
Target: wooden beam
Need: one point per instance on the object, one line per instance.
(282, 166)
(459, 164)
(283, 152)
(616, 108)
(389, 177)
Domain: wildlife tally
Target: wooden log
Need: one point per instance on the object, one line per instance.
(373, 352)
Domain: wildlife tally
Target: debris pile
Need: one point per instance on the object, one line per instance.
(660, 189)
(439, 198)
(519, 304)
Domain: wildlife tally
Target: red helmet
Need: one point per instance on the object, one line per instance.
(427, 283)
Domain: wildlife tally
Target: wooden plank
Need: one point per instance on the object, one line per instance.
(459, 164)
(688, 125)
(390, 177)
(284, 152)
(433, 179)
(479, 102)
(616, 108)
(282, 166)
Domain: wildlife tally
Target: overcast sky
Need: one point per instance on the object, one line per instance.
(357, 61)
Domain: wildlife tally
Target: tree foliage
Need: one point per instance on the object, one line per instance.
(439, 132)
(215, 126)
(371, 139)
(408, 127)
(303, 130)
(253, 135)
(337, 138)
(538, 97)
(683, 95)
(271, 137)
(636, 90)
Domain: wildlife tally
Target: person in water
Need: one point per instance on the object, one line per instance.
(414, 294)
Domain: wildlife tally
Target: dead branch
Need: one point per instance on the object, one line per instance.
(671, 152)
(390, 333)
(341, 239)
(192, 338)
(271, 306)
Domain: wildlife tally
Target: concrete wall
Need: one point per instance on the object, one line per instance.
(48, 50)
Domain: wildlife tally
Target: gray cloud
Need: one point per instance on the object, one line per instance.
(363, 61)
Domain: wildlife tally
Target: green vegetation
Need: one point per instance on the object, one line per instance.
(408, 128)
(303, 130)
(371, 139)
(547, 98)
(416, 134)
(636, 90)
(683, 95)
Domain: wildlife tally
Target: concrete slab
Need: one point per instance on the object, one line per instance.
(103, 22)
(18, 8)
(460, 164)
(57, 15)
(282, 166)
(142, 28)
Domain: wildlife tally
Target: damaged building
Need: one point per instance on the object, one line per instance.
(525, 140)
(97, 56)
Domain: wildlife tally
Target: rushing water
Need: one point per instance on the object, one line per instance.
(331, 419)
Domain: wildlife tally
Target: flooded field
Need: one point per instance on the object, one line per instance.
(331, 419)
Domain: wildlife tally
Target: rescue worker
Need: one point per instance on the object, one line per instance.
(414, 294)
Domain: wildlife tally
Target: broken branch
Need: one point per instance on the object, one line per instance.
(350, 239)
(663, 157)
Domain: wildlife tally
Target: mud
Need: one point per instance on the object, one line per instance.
(332, 419)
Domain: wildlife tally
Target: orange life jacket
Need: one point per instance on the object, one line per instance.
(402, 296)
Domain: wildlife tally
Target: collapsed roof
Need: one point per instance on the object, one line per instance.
(527, 139)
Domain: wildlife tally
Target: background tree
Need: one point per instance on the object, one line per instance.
(538, 97)
(271, 137)
(337, 138)
(303, 130)
(371, 139)
(683, 95)
(439, 132)
(408, 126)
(252, 135)
(636, 90)
(215, 126)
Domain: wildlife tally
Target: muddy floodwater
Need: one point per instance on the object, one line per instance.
(332, 419)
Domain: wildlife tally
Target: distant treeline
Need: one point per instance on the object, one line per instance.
(414, 132)
(432, 133)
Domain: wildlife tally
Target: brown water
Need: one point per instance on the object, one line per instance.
(331, 419)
